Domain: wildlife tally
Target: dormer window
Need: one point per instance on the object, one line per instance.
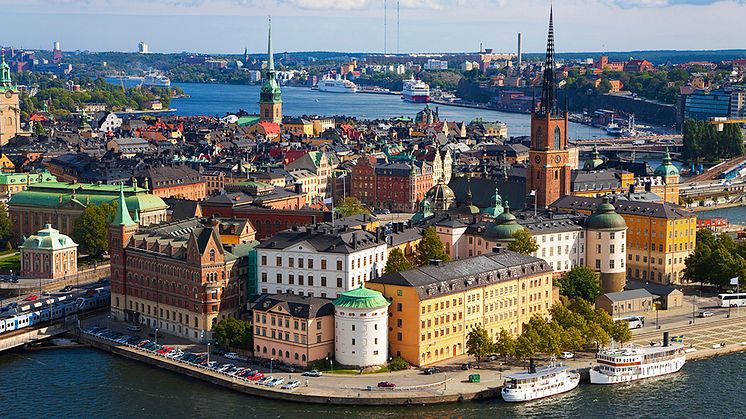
(212, 255)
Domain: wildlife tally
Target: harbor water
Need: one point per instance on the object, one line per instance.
(85, 382)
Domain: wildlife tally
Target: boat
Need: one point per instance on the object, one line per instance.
(630, 363)
(537, 383)
(337, 85)
(156, 80)
(415, 91)
(614, 129)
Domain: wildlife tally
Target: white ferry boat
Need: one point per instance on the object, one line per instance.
(337, 85)
(415, 91)
(538, 383)
(156, 80)
(630, 363)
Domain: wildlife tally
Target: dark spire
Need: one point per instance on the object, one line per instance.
(548, 100)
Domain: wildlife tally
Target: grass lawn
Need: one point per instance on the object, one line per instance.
(11, 262)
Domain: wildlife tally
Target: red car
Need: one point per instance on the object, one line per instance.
(386, 384)
(256, 377)
(32, 297)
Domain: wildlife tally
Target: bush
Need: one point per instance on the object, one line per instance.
(398, 364)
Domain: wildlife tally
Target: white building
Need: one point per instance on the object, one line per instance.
(320, 261)
(143, 48)
(607, 233)
(361, 328)
(433, 64)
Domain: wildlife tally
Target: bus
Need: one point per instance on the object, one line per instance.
(634, 322)
(732, 300)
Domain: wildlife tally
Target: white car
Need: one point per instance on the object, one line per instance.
(706, 314)
(235, 356)
(312, 373)
(567, 355)
(277, 381)
(291, 385)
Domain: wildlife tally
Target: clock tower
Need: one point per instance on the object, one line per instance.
(548, 176)
(10, 110)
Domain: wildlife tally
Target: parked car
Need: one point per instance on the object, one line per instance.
(386, 384)
(466, 366)
(264, 380)
(704, 314)
(231, 355)
(291, 385)
(567, 355)
(313, 373)
(257, 377)
(275, 382)
(31, 297)
(431, 371)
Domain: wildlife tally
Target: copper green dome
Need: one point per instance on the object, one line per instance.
(605, 218)
(497, 206)
(361, 298)
(504, 226)
(666, 168)
(424, 210)
(594, 161)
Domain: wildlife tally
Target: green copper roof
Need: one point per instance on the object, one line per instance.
(23, 178)
(248, 120)
(48, 238)
(122, 215)
(270, 92)
(504, 226)
(666, 168)
(497, 205)
(6, 83)
(361, 298)
(605, 218)
(594, 161)
(424, 211)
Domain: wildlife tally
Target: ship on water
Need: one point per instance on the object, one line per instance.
(629, 363)
(537, 383)
(415, 90)
(154, 79)
(337, 85)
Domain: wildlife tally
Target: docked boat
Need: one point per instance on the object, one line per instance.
(337, 85)
(415, 91)
(630, 363)
(537, 383)
(156, 80)
(614, 129)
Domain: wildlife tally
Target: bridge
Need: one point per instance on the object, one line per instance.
(718, 169)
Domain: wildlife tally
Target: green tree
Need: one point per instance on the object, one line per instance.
(523, 242)
(398, 364)
(478, 343)
(232, 332)
(397, 262)
(430, 248)
(351, 206)
(505, 344)
(580, 281)
(4, 223)
(91, 229)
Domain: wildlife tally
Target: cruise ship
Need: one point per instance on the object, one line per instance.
(630, 363)
(415, 91)
(337, 85)
(156, 80)
(537, 383)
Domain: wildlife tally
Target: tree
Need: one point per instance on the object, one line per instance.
(397, 262)
(430, 248)
(232, 332)
(580, 281)
(351, 206)
(523, 242)
(505, 344)
(4, 222)
(91, 229)
(398, 364)
(478, 343)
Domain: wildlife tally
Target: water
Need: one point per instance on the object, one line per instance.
(735, 215)
(89, 383)
(220, 99)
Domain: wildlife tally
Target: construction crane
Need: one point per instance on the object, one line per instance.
(720, 121)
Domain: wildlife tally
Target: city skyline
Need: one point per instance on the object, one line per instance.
(207, 26)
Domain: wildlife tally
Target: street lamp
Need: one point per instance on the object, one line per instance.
(156, 335)
(208, 352)
(331, 364)
(271, 362)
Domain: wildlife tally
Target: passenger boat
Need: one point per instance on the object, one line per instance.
(154, 79)
(537, 383)
(630, 363)
(337, 85)
(415, 91)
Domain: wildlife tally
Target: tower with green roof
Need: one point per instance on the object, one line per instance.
(270, 98)
(497, 205)
(10, 109)
(670, 174)
(121, 228)
(361, 327)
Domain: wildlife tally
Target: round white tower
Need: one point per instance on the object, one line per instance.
(361, 328)
(607, 236)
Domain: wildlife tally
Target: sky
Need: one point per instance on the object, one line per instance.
(229, 26)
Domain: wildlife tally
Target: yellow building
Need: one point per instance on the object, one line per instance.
(660, 236)
(297, 126)
(6, 165)
(433, 308)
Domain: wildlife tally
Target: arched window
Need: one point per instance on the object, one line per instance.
(557, 135)
(212, 255)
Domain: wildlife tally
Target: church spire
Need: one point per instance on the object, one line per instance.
(5, 79)
(548, 100)
(270, 55)
(122, 215)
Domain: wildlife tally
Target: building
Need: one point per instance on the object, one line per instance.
(548, 176)
(433, 308)
(321, 164)
(129, 147)
(61, 204)
(270, 98)
(703, 105)
(174, 181)
(49, 255)
(178, 277)
(264, 194)
(10, 109)
(606, 241)
(625, 303)
(361, 328)
(320, 261)
(397, 185)
(11, 183)
(293, 329)
(143, 48)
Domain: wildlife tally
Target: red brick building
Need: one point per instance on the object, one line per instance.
(397, 186)
(174, 181)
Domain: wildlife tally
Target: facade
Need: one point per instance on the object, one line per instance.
(702, 105)
(10, 109)
(11, 183)
(49, 255)
(606, 241)
(270, 98)
(320, 260)
(174, 181)
(433, 308)
(625, 303)
(61, 204)
(294, 329)
(321, 164)
(361, 328)
(398, 186)
(548, 176)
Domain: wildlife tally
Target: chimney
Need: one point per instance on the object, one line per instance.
(531, 366)
(298, 187)
(665, 338)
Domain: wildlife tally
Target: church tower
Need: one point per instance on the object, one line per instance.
(549, 171)
(121, 229)
(270, 99)
(10, 109)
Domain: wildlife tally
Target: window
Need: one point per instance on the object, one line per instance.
(291, 262)
(353, 341)
(598, 263)
(278, 261)
(300, 262)
(323, 281)
(339, 282)
(323, 264)
(611, 263)
(279, 278)
(398, 307)
(557, 137)
(310, 263)
(339, 265)
(264, 260)
(212, 255)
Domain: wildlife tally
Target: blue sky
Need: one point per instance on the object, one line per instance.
(227, 26)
